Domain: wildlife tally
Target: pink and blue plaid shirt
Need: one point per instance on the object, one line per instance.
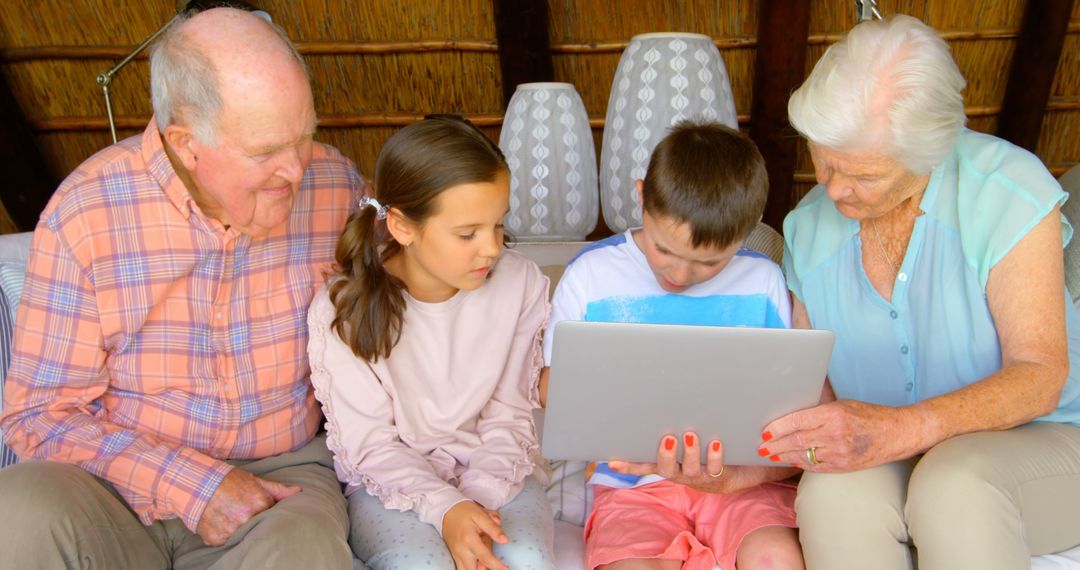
(152, 344)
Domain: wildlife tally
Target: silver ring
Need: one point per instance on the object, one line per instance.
(811, 455)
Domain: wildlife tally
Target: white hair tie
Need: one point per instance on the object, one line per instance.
(380, 210)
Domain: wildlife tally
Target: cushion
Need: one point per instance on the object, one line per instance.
(568, 493)
(12, 275)
(14, 249)
(764, 239)
(1070, 182)
(7, 457)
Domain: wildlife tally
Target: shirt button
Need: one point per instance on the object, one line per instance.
(904, 349)
(910, 386)
(902, 277)
(217, 315)
(893, 314)
(226, 388)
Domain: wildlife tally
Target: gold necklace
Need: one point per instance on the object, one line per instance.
(881, 245)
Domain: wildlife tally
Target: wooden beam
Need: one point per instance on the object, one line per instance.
(1031, 74)
(521, 30)
(780, 67)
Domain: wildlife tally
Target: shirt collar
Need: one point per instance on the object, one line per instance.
(161, 170)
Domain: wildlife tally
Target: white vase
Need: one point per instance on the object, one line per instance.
(553, 180)
(661, 79)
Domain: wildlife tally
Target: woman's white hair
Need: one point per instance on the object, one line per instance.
(183, 82)
(890, 82)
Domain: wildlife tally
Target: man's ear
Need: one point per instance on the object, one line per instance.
(400, 227)
(639, 185)
(179, 140)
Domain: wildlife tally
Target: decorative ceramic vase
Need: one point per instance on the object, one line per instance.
(553, 181)
(661, 79)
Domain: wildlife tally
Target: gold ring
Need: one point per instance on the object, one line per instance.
(718, 474)
(811, 455)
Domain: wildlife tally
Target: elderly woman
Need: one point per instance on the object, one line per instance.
(935, 255)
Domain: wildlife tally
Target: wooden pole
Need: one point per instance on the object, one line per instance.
(780, 67)
(28, 183)
(1031, 74)
(521, 29)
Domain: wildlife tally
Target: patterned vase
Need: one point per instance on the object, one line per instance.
(661, 79)
(549, 146)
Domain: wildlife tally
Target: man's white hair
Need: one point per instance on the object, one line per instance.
(890, 82)
(184, 84)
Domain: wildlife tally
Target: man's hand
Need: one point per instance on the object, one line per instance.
(239, 497)
(469, 530)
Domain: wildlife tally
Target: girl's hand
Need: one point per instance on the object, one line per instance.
(487, 539)
(469, 531)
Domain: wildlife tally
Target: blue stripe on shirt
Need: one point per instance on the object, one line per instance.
(713, 310)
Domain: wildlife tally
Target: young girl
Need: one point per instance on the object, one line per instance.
(425, 353)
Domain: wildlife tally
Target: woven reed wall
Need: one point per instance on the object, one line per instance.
(365, 95)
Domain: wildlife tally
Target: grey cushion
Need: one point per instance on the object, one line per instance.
(7, 457)
(1070, 182)
(764, 239)
(14, 249)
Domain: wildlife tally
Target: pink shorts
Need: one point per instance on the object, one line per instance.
(672, 521)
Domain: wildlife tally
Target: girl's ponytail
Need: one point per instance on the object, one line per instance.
(416, 165)
(367, 299)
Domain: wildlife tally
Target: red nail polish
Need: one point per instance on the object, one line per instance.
(763, 452)
(689, 439)
(716, 446)
(766, 436)
(669, 443)
(774, 458)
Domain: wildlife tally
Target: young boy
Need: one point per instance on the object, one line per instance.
(704, 191)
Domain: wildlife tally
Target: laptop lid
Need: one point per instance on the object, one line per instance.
(617, 388)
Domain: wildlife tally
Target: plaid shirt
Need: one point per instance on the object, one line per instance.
(152, 344)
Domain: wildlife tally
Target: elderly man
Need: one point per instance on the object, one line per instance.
(159, 363)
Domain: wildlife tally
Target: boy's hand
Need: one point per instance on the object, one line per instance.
(690, 472)
(469, 531)
(713, 477)
(668, 467)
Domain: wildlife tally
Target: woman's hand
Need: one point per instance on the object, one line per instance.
(712, 477)
(469, 531)
(845, 435)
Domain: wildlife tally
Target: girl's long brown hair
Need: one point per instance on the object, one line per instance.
(416, 165)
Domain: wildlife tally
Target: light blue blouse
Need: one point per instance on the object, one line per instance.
(937, 335)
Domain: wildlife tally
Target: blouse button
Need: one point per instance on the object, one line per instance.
(902, 277)
(910, 386)
(904, 349)
(893, 314)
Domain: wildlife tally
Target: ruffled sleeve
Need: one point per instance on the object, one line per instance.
(508, 448)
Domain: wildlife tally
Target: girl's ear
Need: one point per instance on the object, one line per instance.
(401, 228)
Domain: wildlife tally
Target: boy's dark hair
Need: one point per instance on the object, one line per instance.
(709, 176)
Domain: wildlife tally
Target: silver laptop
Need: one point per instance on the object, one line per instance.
(617, 388)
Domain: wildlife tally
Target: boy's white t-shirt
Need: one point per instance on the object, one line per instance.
(610, 281)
